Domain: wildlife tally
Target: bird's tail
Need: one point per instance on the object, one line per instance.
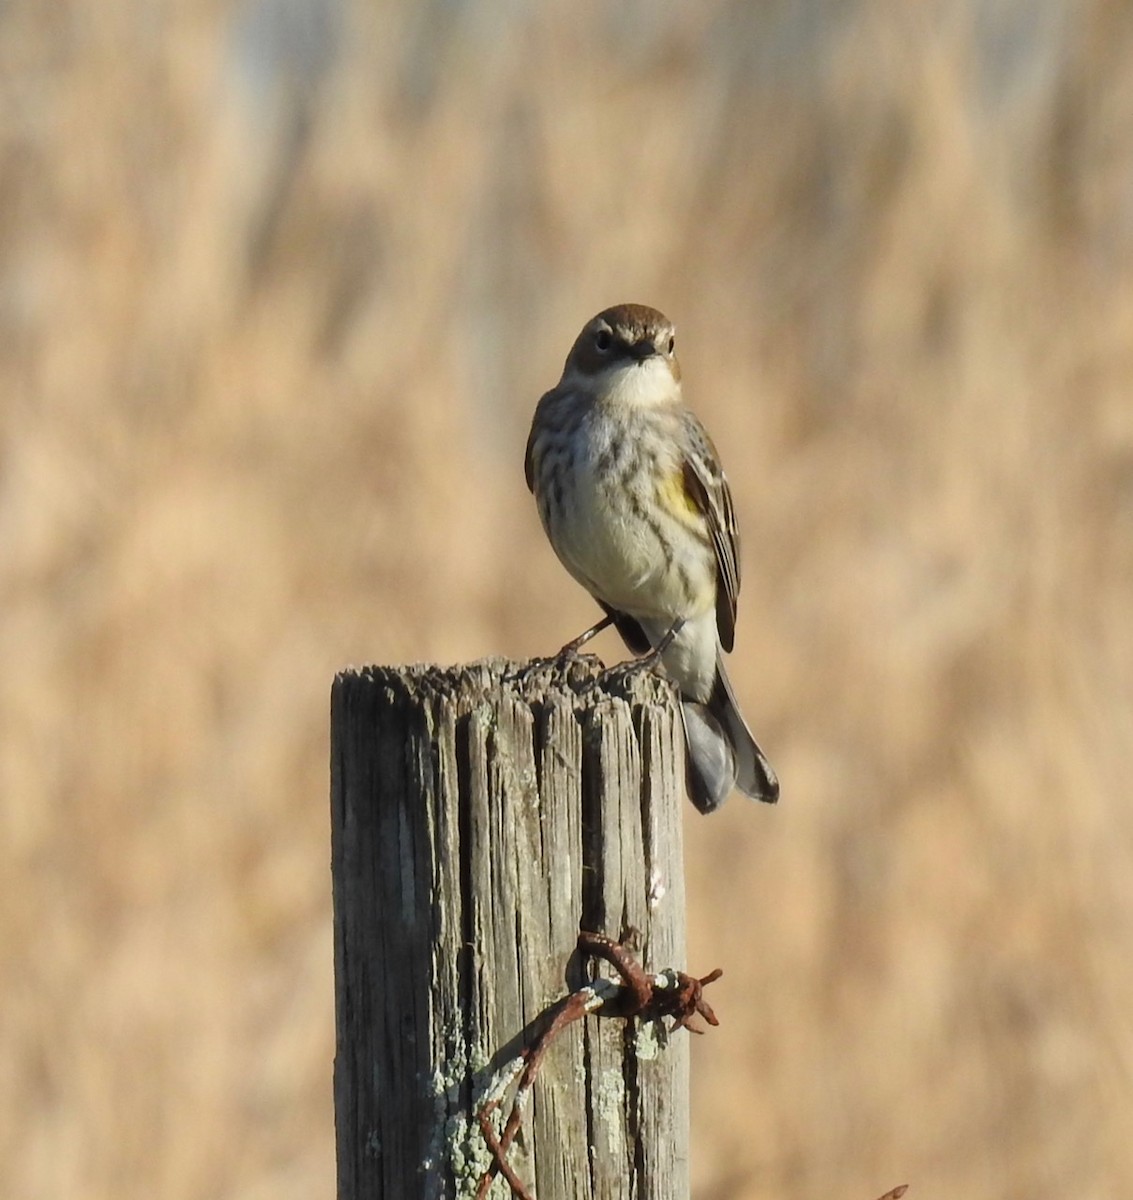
(722, 754)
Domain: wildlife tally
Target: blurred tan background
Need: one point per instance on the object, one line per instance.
(280, 282)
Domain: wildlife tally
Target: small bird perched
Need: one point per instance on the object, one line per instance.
(634, 501)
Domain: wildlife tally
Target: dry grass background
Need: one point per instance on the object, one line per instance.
(280, 281)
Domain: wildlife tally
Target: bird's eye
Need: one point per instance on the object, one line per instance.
(672, 344)
(603, 339)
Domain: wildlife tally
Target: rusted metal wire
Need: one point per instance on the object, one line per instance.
(670, 994)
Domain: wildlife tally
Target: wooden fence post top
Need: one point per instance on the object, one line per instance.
(489, 679)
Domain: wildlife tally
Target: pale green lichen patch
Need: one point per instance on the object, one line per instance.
(610, 1097)
(651, 1038)
(468, 1155)
(458, 1142)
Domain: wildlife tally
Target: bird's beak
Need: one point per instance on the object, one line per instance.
(643, 349)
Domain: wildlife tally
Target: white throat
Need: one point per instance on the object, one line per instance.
(647, 384)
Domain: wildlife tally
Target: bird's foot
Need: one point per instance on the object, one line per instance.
(621, 674)
(570, 655)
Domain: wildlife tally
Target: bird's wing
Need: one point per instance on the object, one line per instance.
(708, 489)
(528, 459)
(545, 402)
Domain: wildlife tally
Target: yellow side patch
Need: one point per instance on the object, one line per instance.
(673, 496)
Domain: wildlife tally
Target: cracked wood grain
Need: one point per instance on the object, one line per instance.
(480, 816)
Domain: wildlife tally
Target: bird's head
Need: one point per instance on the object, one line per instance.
(626, 355)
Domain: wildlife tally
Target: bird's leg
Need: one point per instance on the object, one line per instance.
(650, 660)
(569, 655)
(573, 647)
(654, 655)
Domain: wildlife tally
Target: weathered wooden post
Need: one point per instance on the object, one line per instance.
(481, 815)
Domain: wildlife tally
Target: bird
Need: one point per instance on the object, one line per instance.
(633, 499)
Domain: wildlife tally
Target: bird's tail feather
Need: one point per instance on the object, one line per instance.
(722, 754)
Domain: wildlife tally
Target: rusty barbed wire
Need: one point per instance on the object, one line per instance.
(636, 993)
